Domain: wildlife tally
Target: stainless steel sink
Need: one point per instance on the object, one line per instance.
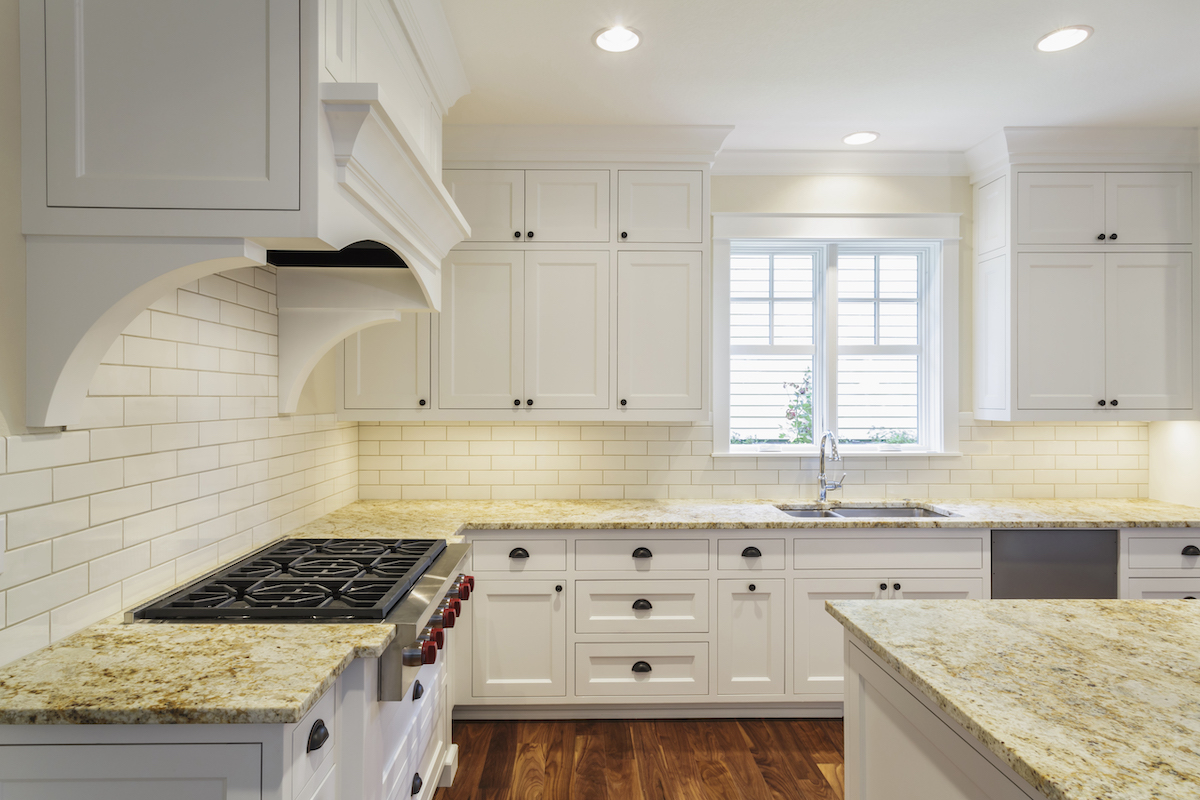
(808, 513)
(863, 512)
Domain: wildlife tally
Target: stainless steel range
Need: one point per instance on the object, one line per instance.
(415, 584)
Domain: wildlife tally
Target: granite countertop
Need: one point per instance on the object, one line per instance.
(1084, 699)
(146, 673)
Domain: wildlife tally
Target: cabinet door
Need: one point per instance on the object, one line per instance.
(127, 137)
(991, 216)
(566, 329)
(567, 205)
(387, 366)
(1060, 207)
(936, 588)
(992, 319)
(520, 630)
(481, 330)
(492, 200)
(660, 205)
(1163, 589)
(750, 636)
(818, 636)
(1148, 342)
(1060, 330)
(1149, 207)
(659, 336)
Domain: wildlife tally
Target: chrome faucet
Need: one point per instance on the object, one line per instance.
(822, 481)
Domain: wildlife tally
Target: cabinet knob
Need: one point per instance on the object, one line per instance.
(883, 587)
(1102, 402)
(417, 784)
(529, 402)
(752, 552)
(529, 234)
(517, 235)
(422, 402)
(418, 690)
(643, 552)
(518, 552)
(318, 736)
(642, 604)
(1113, 404)
(753, 587)
(641, 666)
(1191, 550)
(1101, 237)
(624, 235)
(896, 586)
(516, 402)
(558, 588)
(624, 402)
(1112, 236)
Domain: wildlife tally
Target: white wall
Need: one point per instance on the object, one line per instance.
(1175, 462)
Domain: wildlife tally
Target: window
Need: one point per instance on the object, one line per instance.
(836, 336)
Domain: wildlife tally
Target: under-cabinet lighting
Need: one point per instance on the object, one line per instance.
(617, 39)
(1064, 38)
(862, 137)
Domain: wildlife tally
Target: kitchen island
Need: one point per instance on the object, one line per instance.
(1067, 699)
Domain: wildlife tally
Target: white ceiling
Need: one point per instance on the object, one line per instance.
(801, 74)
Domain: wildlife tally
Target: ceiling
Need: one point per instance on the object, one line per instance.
(801, 74)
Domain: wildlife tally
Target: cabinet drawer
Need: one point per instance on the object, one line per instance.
(306, 764)
(1163, 552)
(608, 606)
(608, 669)
(889, 554)
(1164, 588)
(738, 554)
(506, 555)
(665, 555)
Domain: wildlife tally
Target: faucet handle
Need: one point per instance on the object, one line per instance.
(838, 483)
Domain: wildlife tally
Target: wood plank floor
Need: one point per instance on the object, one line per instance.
(649, 760)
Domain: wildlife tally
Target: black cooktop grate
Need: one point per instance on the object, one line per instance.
(305, 579)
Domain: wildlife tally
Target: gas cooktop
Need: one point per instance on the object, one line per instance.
(304, 579)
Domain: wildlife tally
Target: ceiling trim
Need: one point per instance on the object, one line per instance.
(566, 143)
(1083, 146)
(751, 225)
(840, 162)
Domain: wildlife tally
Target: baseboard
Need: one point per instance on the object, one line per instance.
(688, 711)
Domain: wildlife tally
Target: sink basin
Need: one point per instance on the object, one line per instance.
(886, 513)
(808, 513)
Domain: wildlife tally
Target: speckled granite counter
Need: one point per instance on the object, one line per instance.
(448, 518)
(1084, 699)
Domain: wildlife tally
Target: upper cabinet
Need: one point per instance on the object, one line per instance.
(542, 205)
(1143, 208)
(660, 206)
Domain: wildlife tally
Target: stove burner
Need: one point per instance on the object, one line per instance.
(287, 595)
(210, 596)
(325, 568)
(353, 547)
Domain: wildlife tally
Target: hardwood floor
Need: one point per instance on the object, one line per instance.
(752, 759)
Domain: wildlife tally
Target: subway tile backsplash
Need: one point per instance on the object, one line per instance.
(182, 463)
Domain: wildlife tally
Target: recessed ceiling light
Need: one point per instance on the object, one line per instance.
(617, 39)
(862, 137)
(1063, 38)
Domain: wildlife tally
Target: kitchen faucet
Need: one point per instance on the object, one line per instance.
(824, 483)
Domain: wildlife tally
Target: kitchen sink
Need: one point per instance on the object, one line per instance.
(864, 512)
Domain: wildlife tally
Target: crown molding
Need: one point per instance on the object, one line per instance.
(840, 162)
(567, 143)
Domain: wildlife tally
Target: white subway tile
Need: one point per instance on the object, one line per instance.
(39, 451)
(23, 638)
(39, 596)
(120, 503)
(149, 410)
(78, 548)
(173, 328)
(120, 442)
(40, 523)
(85, 479)
(175, 490)
(192, 304)
(213, 334)
(149, 353)
(153, 467)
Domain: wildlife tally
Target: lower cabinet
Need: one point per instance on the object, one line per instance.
(520, 644)
(751, 628)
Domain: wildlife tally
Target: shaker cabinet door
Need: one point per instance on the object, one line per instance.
(520, 639)
(819, 655)
(750, 636)
(1149, 207)
(659, 206)
(567, 205)
(387, 366)
(1060, 207)
(492, 200)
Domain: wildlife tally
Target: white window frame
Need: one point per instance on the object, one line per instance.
(940, 387)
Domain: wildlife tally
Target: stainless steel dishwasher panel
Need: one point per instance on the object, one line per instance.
(1054, 564)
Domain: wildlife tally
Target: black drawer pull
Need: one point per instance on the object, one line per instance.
(418, 690)
(642, 552)
(1190, 597)
(417, 783)
(752, 552)
(318, 736)
(518, 552)
(641, 666)
(642, 605)
(1191, 550)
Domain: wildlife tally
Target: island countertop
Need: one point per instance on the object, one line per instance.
(1084, 699)
(116, 673)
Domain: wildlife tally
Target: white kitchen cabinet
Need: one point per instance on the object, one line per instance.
(524, 330)
(1078, 208)
(751, 631)
(1096, 328)
(662, 670)
(660, 206)
(387, 366)
(519, 642)
(1163, 589)
(991, 216)
(659, 337)
(492, 200)
(567, 205)
(937, 588)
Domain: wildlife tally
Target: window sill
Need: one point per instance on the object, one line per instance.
(845, 454)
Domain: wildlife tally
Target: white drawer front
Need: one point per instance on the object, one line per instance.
(739, 554)
(1164, 588)
(519, 555)
(889, 554)
(305, 764)
(664, 555)
(608, 606)
(1163, 552)
(608, 669)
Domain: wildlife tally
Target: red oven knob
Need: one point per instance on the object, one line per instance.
(428, 652)
(470, 579)
(464, 591)
(456, 606)
(448, 617)
(439, 637)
